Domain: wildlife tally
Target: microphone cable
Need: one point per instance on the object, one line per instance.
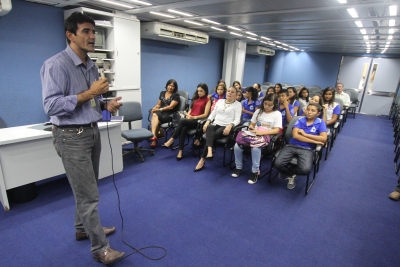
(135, 250)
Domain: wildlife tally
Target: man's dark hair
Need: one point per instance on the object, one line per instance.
(318, 106)
(71, 23)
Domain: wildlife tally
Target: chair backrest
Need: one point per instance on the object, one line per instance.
(340, 102)
(2, 123)
(288, 133)
(301, 106)
(313, 89)
(267, 83)
(182, 103)
(353, 93)
(132, 111)
(185, 94)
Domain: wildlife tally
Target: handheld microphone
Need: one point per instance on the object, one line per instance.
(99, 64)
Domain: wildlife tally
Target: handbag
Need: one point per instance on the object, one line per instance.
(244, 140)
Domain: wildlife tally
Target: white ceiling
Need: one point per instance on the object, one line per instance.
(309, 25)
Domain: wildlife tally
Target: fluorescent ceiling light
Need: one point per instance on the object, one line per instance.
(392, 22)
(285, 44)
(271, 44)
(262, 37)
(363, 31)
(352, 12)
(302, 50)
(365, 37)
(180, 13)
(393, 10)
(342, 1)
(234, 28)
(263, 42)
(218, 29)
(279, 46)
(285, 49)
(390, 37)
(383, 51)
(358, 23)
(116, 4)
(368, 51)
(162, 15)
(210, 21)
(141, 2)
(387, 44)
(277, 42)
(252, 38)
(252, 33)
(234, 33)
(391, 31)
(193, 22)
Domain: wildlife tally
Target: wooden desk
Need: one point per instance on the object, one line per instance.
(27, 155)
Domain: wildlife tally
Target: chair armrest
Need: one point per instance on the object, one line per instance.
(318, 148)
(275, 137)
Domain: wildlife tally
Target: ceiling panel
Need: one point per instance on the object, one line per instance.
(310, 25)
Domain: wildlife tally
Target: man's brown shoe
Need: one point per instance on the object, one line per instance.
(108, 256)
(395, 195)
(82, 236)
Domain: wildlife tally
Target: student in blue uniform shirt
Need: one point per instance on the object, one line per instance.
(307, 132)
(249, 104)
(332, 108)
(257, 86)
(285, 108)
(293, 99)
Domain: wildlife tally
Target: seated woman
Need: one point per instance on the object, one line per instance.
(307, 132)
(199, 109)
(267, 120)
(237, 85)
(293, 99)
(278, 88)
(332, 108)
(271, 90)
(239, 96)
(167, 104)
(223, 118)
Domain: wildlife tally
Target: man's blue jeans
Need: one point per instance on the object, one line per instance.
(79, 149)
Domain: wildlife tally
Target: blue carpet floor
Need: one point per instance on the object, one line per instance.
(211, 219)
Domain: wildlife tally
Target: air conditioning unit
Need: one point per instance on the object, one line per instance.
(259, 50)
(173, 34)
(5, 7)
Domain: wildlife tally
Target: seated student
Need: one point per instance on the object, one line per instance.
(220, 93)
(237, 86)
(284, 107)
(293, 99)
(271, 90)
(199, 109)
(317, 99)
(267, 120)
(307, 132)
(221, 121)
(332, 108)
(249, 105)
(239, 96)
(257, 86)
(167, 104)
(304, 96)
(278, 88)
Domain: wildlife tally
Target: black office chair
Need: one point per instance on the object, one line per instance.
(170, 125)
(354, 101)
(185, 94)
(317, 151)
(132, 111)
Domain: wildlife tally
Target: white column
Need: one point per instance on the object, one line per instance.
(234, 57)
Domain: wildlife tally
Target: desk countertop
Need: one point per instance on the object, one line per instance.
(34, 131)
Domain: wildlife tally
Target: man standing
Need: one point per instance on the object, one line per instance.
(342, 95)
(72, 98)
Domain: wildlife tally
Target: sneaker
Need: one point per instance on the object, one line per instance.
(291, 181)
(254, 178)
(236, 173)
(395, 195)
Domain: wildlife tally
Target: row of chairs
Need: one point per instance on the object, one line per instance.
(394, 115)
